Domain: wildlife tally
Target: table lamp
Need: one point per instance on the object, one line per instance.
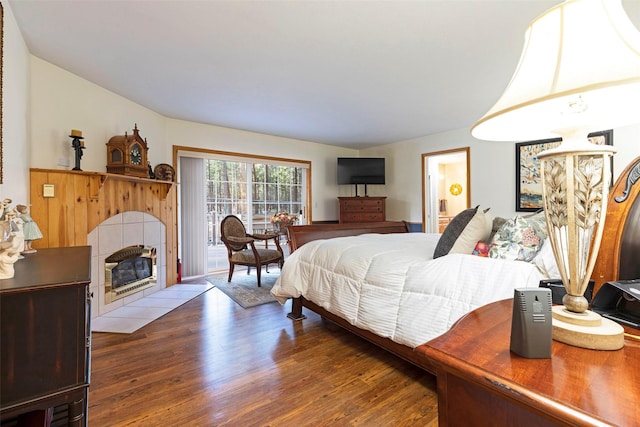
(579, 72)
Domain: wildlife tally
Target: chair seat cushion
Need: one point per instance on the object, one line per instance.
(246, 256)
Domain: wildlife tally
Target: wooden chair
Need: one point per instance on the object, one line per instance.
(241, 248)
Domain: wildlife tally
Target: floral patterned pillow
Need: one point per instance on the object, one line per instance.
(519, 239)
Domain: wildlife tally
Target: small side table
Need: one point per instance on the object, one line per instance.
(480, 382)
(272, 233)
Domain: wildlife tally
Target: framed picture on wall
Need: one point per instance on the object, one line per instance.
(528, 179)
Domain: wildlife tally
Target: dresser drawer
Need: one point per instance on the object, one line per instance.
(364, 207)
(363, 217)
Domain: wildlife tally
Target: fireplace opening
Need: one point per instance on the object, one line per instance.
(129, 270)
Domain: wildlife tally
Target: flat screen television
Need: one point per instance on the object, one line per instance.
(360, 170)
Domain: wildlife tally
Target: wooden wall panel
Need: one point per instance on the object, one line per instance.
(93, 202)
(80, 221)
(84, 199)
(39, 208)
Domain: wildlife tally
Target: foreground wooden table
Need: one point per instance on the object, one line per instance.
(480, 382)
(45, 338)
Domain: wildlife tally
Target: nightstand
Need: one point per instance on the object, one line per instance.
(481, 383)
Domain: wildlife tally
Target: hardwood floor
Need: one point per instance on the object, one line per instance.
(212, 363)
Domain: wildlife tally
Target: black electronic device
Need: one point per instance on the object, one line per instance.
(558, 290)
(531, 329)
(619, 301)
(361, 170)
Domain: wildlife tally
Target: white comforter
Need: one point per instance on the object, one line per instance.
(390, 285)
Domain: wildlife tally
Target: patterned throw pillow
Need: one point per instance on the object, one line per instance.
(464, 231)
(481, 249)
(520, 238)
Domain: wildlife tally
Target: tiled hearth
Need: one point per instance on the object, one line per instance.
(117, 232)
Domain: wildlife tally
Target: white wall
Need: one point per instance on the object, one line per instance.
(15, 93)
(323, 157)
(492, 170)
(61, 101)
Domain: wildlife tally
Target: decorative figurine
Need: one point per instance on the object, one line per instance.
(11, 242)
(9, 254)
(11, 216)
(30, 229)
(78, 146)
(4, 206)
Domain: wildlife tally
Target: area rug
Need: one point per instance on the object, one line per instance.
(243, 288)
(133, 316)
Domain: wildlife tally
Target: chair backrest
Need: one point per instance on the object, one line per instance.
(231, 226)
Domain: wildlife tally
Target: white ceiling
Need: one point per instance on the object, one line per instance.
(349, 73)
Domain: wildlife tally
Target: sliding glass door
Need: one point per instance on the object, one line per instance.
(214, 185)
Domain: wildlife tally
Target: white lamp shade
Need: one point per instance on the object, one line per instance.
(579, 69)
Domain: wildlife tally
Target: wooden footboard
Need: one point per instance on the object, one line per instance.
(301, 234)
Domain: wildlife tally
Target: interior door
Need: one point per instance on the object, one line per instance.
(446, 187)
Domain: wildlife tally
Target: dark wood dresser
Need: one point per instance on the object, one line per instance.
(45, 341)
(362, 209)
(482, 383)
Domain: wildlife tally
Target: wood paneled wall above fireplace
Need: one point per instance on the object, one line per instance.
(82, 200)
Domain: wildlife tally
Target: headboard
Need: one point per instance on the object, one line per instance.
(619, 255)
(301, 234)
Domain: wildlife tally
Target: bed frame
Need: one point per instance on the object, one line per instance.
(617, 258)
(301, 234)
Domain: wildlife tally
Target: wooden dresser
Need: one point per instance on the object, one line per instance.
(362, 209)
(481, 382)
(45, 341)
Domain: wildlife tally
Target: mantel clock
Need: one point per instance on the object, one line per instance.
(127, 155)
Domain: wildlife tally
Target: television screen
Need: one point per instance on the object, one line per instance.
(360, 170)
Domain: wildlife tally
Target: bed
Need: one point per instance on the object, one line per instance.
(382, 283)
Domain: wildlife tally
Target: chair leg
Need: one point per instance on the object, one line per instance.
(231, 266)
(258, 271)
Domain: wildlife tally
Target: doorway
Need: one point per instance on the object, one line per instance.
(446, 187)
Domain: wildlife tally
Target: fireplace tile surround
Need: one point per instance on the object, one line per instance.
(121, 230)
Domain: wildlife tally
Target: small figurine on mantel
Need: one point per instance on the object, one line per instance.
(152, 174)
(78, 146)
(30, 229)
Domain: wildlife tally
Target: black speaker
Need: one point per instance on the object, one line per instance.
(531, 328)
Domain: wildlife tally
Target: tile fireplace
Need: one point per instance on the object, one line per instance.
(136, 239)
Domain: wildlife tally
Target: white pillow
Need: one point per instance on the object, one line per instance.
(479, 228)
(546, 261)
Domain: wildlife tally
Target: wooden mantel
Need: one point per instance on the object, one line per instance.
(83, 200)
